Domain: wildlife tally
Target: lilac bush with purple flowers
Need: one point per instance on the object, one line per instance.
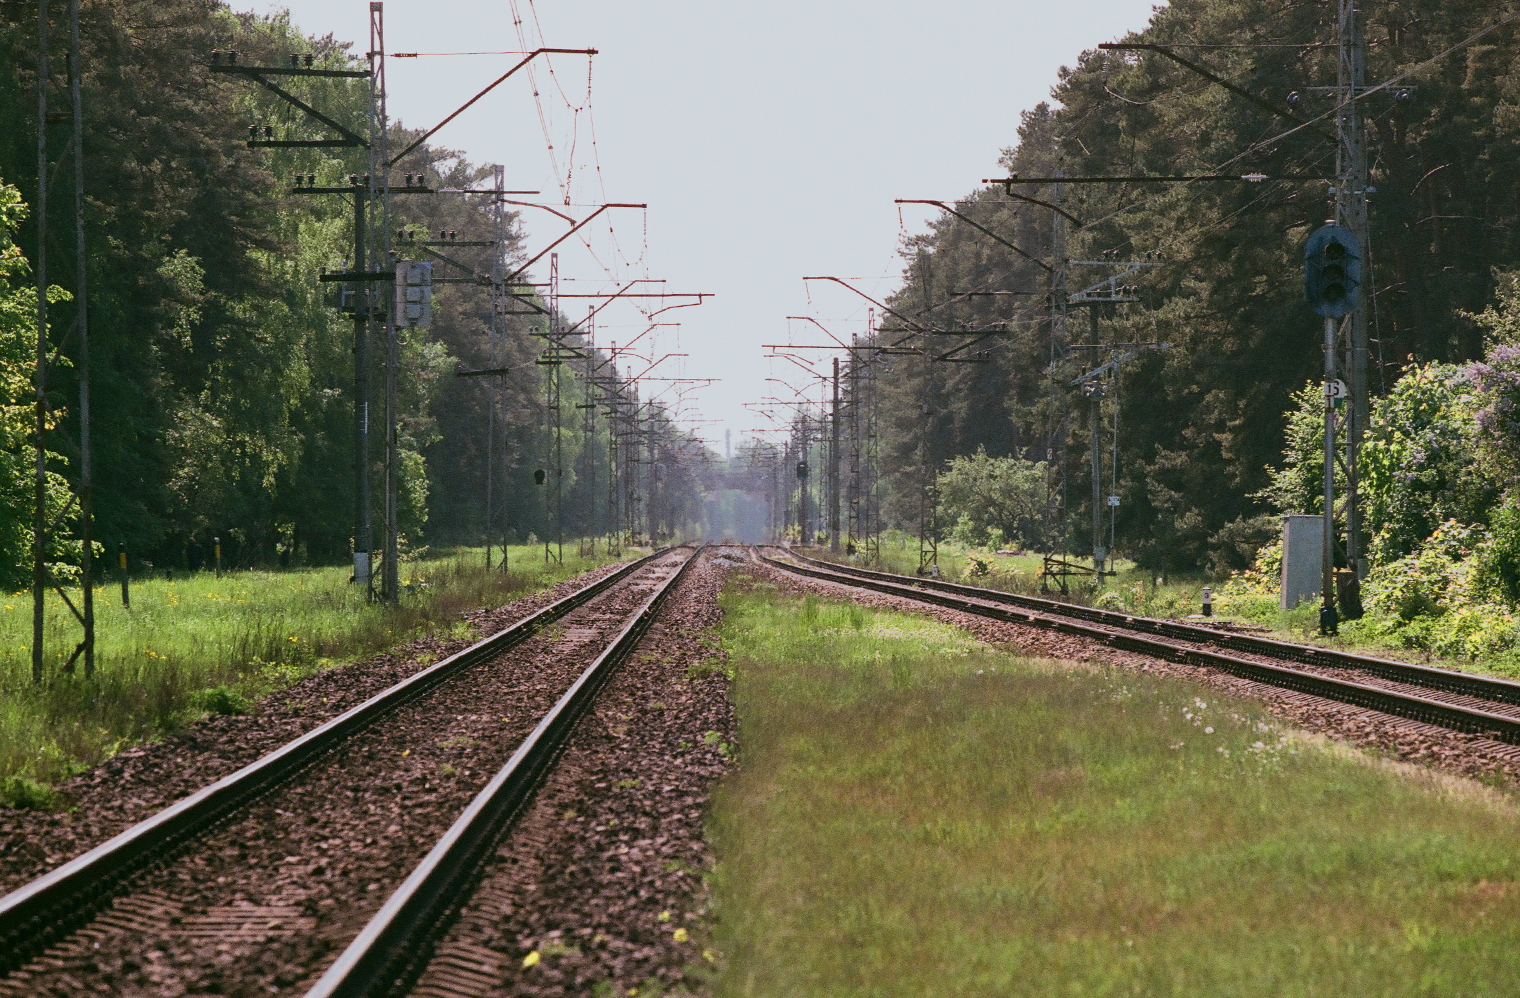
(1497, 378)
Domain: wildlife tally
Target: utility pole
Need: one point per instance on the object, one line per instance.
(498, 334)
(588, 438)
(553, 440)
(1351, 211)
(834, 466)
(928, 494)
(379, 250)
(1056, 431)
(357, 295)
(39, 481)
(42, 527)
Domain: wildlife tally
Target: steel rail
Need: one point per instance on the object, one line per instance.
(396, 944)
(1445, 680)
(1123, 634)
(60, 901)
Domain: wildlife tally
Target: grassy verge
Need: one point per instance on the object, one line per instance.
(1138, 591)
(917, 814)
(199, 644)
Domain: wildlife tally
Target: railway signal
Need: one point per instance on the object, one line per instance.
(1332, 271)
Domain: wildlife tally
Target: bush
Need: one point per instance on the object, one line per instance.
(25, 792)
(1436, 599)
(1499, 560)
(1237, 544)
(1111, 601)
(222, 700)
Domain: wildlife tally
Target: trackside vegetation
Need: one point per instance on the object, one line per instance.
(917, 813)
(198, 644)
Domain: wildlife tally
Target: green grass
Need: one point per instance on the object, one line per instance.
(1136, 590)
(201, 645)
(917, 814)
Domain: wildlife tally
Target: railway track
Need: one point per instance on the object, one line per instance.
(257, 881)
(1458, 701)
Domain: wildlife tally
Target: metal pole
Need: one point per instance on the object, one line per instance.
(39, 489)
(81, 298)
(121, 556)
(1113, 470)
(1098, 553)
(1328, 622)
(1351, 211)
(377, 195)
(498, 319)
(362, 531)
(1055, 467)
(834, 466)
(391, 570)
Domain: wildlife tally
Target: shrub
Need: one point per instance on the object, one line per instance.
(222, 700)
(25, 792)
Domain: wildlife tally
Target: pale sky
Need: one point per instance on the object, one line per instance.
(769, 141)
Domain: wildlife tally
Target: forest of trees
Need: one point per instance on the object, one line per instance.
(221, 370)
(1204, 424)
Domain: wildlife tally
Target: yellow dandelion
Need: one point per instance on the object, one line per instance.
(531, 960)
(679, 935)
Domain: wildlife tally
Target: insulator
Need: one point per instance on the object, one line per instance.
(453, 234)
(295, 60)
(232, 57)
(311, 180)
(216, 57)
(253, 131)
(268, 131)
(308, 60)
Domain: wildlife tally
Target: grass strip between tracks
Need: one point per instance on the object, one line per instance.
(920, 814)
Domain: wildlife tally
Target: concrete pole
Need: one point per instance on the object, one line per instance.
(1328, 622)
(39, 479)
(1098, 552)
(362, 528)
(1351, 211)
(834, 466)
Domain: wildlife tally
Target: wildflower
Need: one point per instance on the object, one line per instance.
(663, 916)
(679, 935)
(531, 960)
(1208, 731)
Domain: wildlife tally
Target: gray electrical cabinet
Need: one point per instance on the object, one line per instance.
(1302, 559)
